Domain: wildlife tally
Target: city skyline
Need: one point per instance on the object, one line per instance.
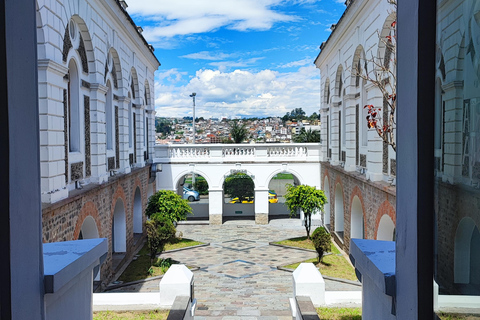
(243, 58)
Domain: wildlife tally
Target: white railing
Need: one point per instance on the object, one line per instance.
(218, 153)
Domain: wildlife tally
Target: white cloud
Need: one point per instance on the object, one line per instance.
(241, 93)
(207, 55)
(183, 17)
(298, 63)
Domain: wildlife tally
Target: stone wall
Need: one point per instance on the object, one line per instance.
(63, 220)
(377, 199)
(452, 204)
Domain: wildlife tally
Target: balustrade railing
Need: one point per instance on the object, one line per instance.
(264, 152)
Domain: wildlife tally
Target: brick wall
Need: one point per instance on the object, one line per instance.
(63, 220)
(377, 199)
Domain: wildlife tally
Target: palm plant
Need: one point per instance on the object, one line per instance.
(238, 132)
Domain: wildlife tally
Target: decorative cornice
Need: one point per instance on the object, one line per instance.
(50, 65)
(98, 87)
(452, 85)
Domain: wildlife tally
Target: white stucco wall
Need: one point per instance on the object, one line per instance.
(110, 41)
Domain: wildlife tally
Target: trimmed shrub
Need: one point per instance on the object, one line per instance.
(160, 231)
(168, 204)
(322, 241)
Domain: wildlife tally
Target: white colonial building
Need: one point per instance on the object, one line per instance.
(97, 122)
(359, 172)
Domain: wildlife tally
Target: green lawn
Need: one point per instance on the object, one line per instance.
(139, 269)
(131, 315)
(339, 313)
(334, 265)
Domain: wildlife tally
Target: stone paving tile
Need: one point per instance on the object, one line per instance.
(238, 278)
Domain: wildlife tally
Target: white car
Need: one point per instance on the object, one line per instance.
(190, 195)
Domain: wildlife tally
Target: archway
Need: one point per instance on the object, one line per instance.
(89, 229)
(467, 255)
(277, 188)
(339, 210)
(386, 229)
(194, 188)
(119, 228)
(356, 222)
(326, 207)
(137, 212)
(239, 193)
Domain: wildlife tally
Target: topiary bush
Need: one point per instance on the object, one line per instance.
(322, 242)
(201, 186)
(160, 231)
(168, 204)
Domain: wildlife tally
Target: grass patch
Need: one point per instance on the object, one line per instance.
(131, 315)
(332, 265)
(447, 316)
(180, 243)
(339, 313)
(304, 243)
(142, 269)
(283, 176)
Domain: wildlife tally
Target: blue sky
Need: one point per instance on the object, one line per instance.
(243, 58)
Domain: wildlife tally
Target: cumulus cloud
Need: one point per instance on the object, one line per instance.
(183, 17)
(243, 93)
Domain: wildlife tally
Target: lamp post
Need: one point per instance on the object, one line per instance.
(193, 120)
(193, 127)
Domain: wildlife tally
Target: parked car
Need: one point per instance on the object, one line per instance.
(246, 200)
(190, 195)
(272, 197)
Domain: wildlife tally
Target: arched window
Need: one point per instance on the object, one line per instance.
(73, 108)
(109, 116)
(130, 122)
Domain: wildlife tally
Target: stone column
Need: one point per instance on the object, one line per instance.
(98, 133)
(261, 206)
(215, 197)
(52, 95)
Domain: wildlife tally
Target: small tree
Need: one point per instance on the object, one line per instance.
(322, 242)
(168, 204)
(238, 132)
(239, 185)
(160, 231)
(306, 198)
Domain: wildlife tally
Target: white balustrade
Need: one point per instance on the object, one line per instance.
(216, 153)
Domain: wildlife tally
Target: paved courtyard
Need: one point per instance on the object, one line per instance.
(238, 276)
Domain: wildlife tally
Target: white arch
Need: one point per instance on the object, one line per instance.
(89, 229)
(137, 212)
(326, 207)
(295, 174)
(356, 223)
(339, 212)
(119, 229)
(386, 228)
(179, 176)
(248, 172)
(466, 250)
